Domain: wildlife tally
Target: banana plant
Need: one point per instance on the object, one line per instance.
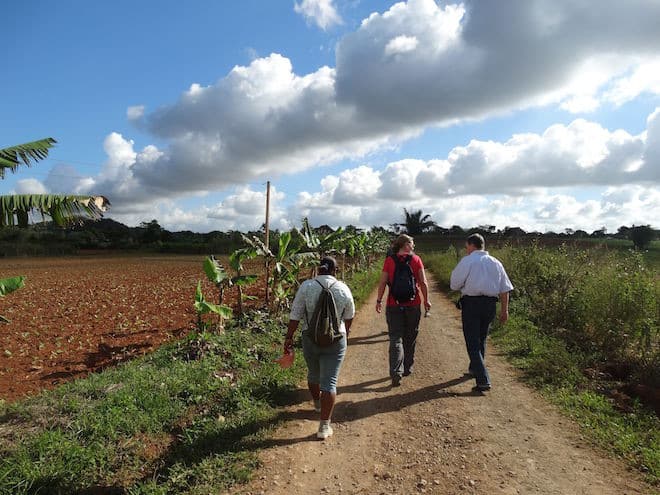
(202, 307)
(8, 285)
(240, 280)
(283, 267)
(217, 275)
(321, 244)
(289, 263)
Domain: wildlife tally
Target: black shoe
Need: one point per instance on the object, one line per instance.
(481, 388)
(407, 372)
(396, 381)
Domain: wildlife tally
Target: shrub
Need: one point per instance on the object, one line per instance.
(545, 359)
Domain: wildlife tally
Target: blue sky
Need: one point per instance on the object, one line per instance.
(542, 114)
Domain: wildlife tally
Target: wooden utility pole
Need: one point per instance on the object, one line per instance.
(267, 240)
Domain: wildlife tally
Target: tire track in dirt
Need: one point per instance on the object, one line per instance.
(432, 434)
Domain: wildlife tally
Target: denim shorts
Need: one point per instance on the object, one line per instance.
(323, 363)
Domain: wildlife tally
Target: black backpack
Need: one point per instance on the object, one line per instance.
(403, 287)
(323, 326)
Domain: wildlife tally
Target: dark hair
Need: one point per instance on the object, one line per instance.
(327, 265)
(476, 240)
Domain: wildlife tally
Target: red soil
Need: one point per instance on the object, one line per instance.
(80, 314)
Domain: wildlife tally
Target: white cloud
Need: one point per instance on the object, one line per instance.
(481, 182)
(543, 211)
(643, 77)
(320, 12)
(30, 186)
(478, 58)
(243, 210)
(135, 112)
(582, 153)
(417, 64)
(264, 120)
(356, 186)
(399, 179)
(401, 44)
(528, 180)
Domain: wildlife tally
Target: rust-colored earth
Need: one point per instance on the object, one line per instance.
(80, 314)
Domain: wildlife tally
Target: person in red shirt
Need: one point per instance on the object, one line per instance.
(402, 317)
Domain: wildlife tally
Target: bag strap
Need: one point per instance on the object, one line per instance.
(323, 287)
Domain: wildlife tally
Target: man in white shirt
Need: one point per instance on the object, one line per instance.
(323, 363)
(481, 279)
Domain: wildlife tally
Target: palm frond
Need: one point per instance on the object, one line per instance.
(63, 209)
(24, 154)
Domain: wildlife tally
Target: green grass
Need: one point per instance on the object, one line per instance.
(363, 283)
(548, 365)
(188, 419)
(160, 424)
(634, 436)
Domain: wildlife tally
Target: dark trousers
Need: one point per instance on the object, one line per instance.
(477, 314)
(402, 327)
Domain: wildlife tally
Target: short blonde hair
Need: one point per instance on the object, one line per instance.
(401, 241)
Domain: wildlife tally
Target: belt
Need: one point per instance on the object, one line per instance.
(482, 297)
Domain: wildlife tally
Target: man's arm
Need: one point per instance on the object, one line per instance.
(459, 275)
(504, 307)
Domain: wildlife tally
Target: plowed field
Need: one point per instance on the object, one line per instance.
(80, 314)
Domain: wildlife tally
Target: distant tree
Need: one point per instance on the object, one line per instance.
(513, 232)
(151, 231)
(416, 222)
(641, 235)
(599, 233)
(381, 231)
(456, 230)
(623, 232)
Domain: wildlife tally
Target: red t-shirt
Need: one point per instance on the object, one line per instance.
(416, 265)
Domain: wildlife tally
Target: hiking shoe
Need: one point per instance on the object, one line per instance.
(396, 381)
(481, 388)
(325, 431)
(317, 405)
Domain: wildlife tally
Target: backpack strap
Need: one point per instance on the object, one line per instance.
(323, 287)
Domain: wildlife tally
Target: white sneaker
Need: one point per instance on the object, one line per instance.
(325, 431)
(317, 405)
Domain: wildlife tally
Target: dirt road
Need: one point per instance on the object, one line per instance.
(432, 434)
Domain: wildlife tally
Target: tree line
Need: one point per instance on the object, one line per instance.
(48, 238)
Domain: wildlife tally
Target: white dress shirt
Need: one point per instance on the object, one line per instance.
(479, 274)
(308, 293)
